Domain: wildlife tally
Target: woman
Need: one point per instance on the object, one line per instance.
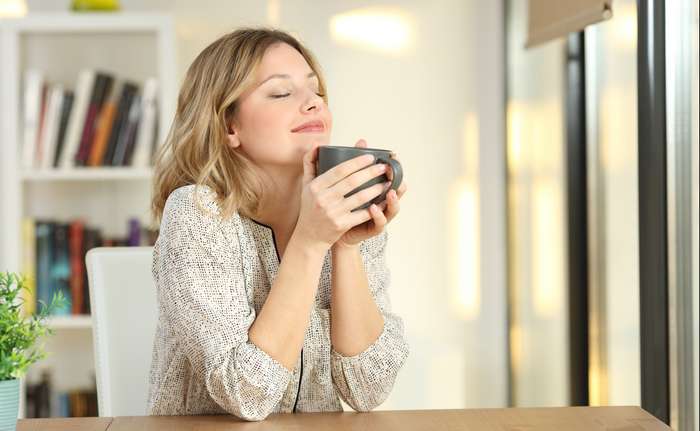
(272, 293)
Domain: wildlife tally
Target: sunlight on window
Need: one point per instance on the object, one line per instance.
(12, 8)
(465, 227)
(548, 278)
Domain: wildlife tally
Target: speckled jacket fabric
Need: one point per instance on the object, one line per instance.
(212, 278)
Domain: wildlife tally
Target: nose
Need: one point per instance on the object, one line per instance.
(312, 103)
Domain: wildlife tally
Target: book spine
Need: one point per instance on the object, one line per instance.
(76, 121)
(36, 163)
(127, 94)
(60, 267)
(134, 237)
(43, 263)
(75, 239)
(89, 126)
(128, 133)
(53, 119)
(33, 83)
(66, 108)
(99, 144)
(146, 136)
(29, 264)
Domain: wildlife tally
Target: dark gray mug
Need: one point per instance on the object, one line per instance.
(330, 156)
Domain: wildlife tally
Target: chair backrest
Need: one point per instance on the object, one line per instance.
(124, 317)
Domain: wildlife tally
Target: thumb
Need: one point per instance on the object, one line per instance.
(310, 165)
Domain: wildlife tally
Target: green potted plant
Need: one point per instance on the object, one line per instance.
(19, 342)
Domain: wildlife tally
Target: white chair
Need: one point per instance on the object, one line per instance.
(124, 317)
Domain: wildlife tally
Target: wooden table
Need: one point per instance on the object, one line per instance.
(513, 419)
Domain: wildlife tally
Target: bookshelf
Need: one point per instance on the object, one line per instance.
(132, 46)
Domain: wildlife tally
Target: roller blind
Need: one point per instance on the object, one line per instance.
(550, 19)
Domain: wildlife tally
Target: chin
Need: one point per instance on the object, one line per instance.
(313, 143)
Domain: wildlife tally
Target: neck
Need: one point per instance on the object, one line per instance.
(279, 207)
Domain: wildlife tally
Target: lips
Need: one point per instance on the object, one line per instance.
(310, 126)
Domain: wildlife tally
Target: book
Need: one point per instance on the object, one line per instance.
(43, 400)
(64, 405)
(127, 134)
(103, 129)
(76, 121)
(91, 238)
(49, 136)
(29, 264)
(100, 92)
(39, 397)
(134, 235)
(60, 267)
(44, 251)
(77, 265)
(128, 92)
(141, 153)
(42, 126)
(33, 84)
(66, 108)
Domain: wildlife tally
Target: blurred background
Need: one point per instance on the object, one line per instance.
(516, 257)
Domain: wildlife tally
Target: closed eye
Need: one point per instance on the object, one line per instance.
(279, 96)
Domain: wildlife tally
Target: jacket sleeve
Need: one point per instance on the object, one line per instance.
(201, 289)
(365, 380)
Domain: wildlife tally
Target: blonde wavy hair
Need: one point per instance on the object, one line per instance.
(196, 150)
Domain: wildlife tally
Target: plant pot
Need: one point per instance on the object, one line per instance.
(9, 404)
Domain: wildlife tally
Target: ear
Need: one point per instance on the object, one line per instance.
(232, 136)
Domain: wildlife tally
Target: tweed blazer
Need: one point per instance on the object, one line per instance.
(212, 278)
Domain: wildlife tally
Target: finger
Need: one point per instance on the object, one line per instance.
(393, 205)
(390, 172)
(343, 170)
(378, 217)
(310, 165)
(357, 179)
(361, 144)
(402, 189)
(356, 218)
(363, 196)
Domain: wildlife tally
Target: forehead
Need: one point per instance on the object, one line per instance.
(283, 59)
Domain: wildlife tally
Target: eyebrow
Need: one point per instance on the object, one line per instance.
(284, 76)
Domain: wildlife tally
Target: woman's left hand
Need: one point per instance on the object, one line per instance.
(381, 214)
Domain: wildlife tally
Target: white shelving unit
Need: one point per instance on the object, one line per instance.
(91, 174)
(70, 322)
(132, 46)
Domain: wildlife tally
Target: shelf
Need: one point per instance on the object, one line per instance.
(87, 174)
(70, 322)
(100, 22)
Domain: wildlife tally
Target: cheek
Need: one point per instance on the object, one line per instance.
(272, 122)
(263, 125)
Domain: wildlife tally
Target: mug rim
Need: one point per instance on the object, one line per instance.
(355, 148)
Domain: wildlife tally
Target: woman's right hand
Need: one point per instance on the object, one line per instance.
(325, 213)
